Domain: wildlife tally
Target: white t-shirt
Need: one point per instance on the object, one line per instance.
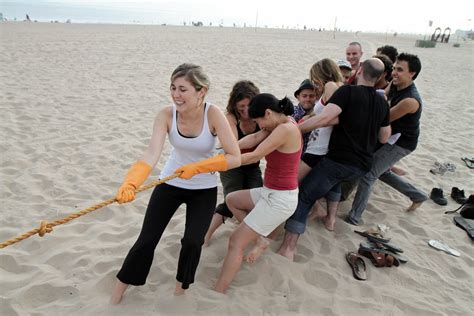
(319, 138)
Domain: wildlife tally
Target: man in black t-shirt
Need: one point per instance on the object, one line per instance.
(361, 118)
(405, 113)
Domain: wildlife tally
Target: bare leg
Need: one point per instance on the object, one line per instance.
(178, 290)
(239, 203)
(288, 247)
(398, 171)
(330, 219)
(117, 293)
(260, 246)
(414, 206)
(217, 220)
(238, 241)
(317, 211)
(276, 232)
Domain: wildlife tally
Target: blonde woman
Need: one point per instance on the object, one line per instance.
(192, 126)
(327, 77)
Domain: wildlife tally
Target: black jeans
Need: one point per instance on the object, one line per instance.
(164, 202)
(242, 178)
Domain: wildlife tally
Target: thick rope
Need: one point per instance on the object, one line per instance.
(46, 227)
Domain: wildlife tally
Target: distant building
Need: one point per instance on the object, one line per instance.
(465, 34)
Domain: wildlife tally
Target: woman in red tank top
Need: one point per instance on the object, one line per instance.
(262, 210)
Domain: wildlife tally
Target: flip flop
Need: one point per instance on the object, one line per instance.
(373, 236)
(370, 246)
(357, 265)
(387, 245)
(443, 247)
(469, 162)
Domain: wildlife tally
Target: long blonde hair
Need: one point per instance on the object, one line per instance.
(324, 71)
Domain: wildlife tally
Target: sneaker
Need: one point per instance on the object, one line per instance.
(458, 195)
(439, 168)
(438, 197)
(351, 221)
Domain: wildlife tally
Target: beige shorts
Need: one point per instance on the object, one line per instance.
(272, 207)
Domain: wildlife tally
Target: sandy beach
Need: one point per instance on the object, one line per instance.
(77, 106)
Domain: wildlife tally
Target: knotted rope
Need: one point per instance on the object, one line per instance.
(46, 227)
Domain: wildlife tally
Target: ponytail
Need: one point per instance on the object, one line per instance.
(286, 106)
(264, 101)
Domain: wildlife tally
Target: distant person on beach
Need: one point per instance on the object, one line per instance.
(262, 210)
(346, 70)
(353, 56)
(306, 96)
(362, 118)
(326, 75)
(192, 126)
(389, 51)
(244, 177)
(405, 113)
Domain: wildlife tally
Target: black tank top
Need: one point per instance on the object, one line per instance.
(409, 124)
(241, 135)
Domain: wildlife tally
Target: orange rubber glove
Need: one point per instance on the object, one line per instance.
(135, 177)
(216, 163)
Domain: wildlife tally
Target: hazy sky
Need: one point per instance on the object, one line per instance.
(364, 15)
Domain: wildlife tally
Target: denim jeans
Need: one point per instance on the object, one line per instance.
(385, 157)
(326, 175)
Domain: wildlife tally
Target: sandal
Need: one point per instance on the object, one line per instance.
(469, 162)
(379, 257)
(357, 265)
(382, 248)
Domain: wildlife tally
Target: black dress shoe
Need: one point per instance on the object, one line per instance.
(458, 195)
(438, 197)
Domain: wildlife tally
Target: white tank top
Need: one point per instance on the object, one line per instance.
(319, 138)
(190, 149)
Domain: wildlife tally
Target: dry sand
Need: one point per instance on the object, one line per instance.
(77, 104)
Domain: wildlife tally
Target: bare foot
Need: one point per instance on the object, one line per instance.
(398, 171)
(329, 223)
(287, 252)
(258, 249)
(179, 289)
(317, 212)
(414, 206)
(117, 293)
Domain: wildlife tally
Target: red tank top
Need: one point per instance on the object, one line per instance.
(281, 172)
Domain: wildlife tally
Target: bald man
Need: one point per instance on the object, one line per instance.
(353, 55)
(405, 114)
(361, 119)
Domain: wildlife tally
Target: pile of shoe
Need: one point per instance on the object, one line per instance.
(466, 218)
(442, 167)
(378, 249)
(437, 196)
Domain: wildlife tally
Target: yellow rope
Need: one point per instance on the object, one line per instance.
(46, 227)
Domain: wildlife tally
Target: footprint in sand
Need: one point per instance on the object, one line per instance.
(303, 254)
(320, 279)
(43, 294)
